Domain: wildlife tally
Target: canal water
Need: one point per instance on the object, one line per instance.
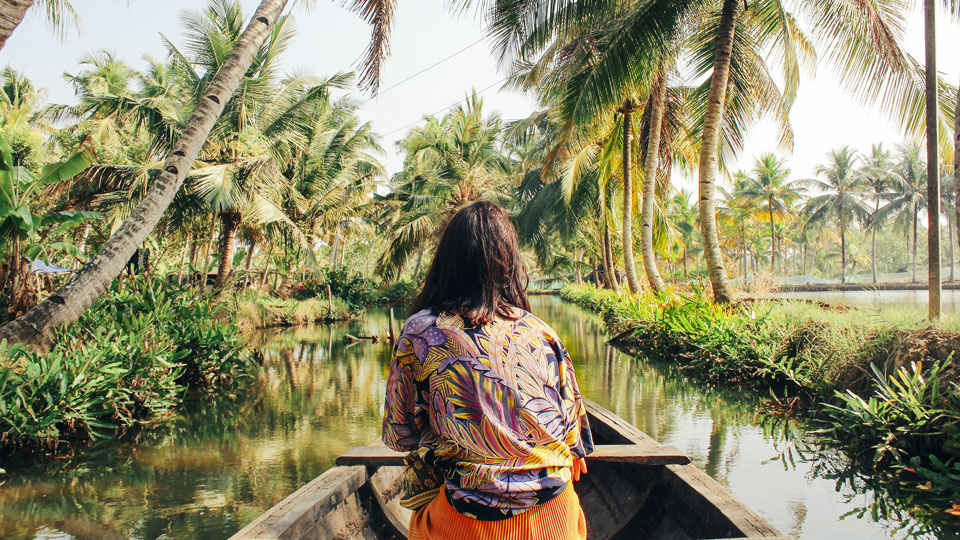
(209, 471)
(918, 300)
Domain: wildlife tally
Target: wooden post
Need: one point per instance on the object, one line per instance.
(393, 332)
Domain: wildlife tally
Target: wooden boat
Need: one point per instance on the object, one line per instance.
(637, 488)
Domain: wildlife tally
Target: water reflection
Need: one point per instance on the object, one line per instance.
(950, 299)
(210, 471)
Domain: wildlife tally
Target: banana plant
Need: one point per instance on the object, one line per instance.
(26, 231)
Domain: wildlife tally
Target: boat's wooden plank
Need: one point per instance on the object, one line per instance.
(639, 454)
(611, 424)
(372, 456)
(307, 506)
(646, 454)
(611, 496)
(699, 494)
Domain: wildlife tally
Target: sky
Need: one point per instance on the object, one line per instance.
(330, 39)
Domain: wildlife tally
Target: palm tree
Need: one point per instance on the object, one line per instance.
(907, 196)
(656, 106)
(67, 303)
(684, 221)
(842, 190)
(239, 180)
(709, 144)
(877, 171)
(769, 188)
(627, 110)
(13, 11)
(933, 157)
(948, 203)
(450, 163)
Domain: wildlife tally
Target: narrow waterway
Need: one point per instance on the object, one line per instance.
(207, 473)
(918, 300)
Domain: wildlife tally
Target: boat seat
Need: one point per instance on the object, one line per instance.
(378, 455)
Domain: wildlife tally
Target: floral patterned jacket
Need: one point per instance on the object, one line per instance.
(496, 407)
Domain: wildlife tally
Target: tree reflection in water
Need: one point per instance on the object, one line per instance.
(218, 464)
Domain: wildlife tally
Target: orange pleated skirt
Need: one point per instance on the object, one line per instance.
(561, 518)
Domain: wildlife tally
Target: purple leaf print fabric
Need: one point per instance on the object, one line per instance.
(497, 408)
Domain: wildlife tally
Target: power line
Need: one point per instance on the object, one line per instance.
(424, 70)
(454, 104)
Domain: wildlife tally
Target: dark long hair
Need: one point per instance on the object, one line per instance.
(477, 271)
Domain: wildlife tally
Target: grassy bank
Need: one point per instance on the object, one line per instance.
(257, 312)
(133, 357)
(882, 386)
(337, 295)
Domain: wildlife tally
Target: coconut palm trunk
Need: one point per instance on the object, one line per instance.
(183, 261)
(873, 243)
(228, 242)
(709, 148)
(84, 236)
(658, 96)
(609, 270)
(629, 107)
(933, 159)
(286, 284)
(335, 248)
(950, 242)
(773, 238)
(253, 248)
(11, 14)
(67, 304)
(956, 174)
(577, 262)
(843, 246)
(916, 212)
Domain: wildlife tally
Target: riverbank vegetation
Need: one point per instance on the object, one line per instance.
(131, 359)
(881, 386)
(272, 206)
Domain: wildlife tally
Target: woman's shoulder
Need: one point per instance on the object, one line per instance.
(419, 322)
(536, 323)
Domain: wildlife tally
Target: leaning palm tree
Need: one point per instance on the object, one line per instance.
(66, 304)
(769, 187)
(71, 300)
(12, 12)
(843, 191)
(907, 196)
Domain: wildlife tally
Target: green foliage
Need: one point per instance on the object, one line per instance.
(715, 342)
(826, 360)
(131, 357)
(909, 414)
(265, 312)
(355, 290)
(399, 292)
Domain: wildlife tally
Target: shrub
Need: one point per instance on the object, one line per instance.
(130, 357)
